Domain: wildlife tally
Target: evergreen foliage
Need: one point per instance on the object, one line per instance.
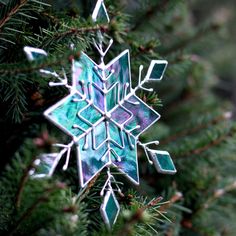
(197, 125)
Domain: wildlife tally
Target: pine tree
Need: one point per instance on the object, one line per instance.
(197, 126)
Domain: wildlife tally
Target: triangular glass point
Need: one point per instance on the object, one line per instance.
(110, 209)
(34, 53)
(100, 12)
(156, 69)
(163, 162)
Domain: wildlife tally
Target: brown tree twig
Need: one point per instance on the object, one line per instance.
(12, 12)
(22, 183)
(219, 193)
(29, 211)
(89, 187)
(78, 31)
(209, 145)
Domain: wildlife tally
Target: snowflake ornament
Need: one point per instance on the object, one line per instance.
(104, 117)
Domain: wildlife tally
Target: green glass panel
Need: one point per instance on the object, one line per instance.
(102, 14)
(163, 162)
(111, 210)
(157, 71)
(38, 56)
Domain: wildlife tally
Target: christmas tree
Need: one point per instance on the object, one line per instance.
(195, 98)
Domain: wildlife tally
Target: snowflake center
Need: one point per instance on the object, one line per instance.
(107, 116)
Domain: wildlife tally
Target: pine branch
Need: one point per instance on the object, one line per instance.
(219, 193)
(195, 129)
(152, 10)
(196, 36)
(14, 16)
(7, 70)
(137, 217)
(78, 32)
(213, 143)
(45, 196)
(11, 13)
(22, 183)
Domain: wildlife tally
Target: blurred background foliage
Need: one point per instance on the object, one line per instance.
(198, 108)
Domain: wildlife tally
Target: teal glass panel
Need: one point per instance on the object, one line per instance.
(45, 165)
(84, 75)
(37, 56)
(100, 133)
(115, 134)
(111, 98)
(163, 162)
(91, 114)
(102, 14)
(111, 210)
(158, 71)
(121, 74)
(65, 115)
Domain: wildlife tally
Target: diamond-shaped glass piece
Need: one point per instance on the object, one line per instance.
(34, 53)
(135, 113)
(67, 116)
(110, 209)
(163, 162)
(100, 12)
(45, 165)
(156, 69)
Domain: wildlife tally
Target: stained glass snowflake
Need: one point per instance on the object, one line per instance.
(104, 117)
